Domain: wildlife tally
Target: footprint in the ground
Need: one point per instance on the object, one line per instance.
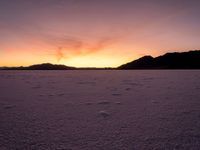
(61, 94)
(104, 113)
(116, 94)
(88, 103)
(118, 103)
(36, 87)
(128, 89)
(9, 106)
(104, 103)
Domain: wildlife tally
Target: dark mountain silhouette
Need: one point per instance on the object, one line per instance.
(183, 60)
(48, 66)
(45, 66)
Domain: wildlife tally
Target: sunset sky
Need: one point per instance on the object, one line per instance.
(95, 33)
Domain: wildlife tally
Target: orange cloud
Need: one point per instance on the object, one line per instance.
(59, 54)
(67, 48)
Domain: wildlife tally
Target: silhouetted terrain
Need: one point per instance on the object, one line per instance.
(49, 66)
(184, 60)
(45, 66)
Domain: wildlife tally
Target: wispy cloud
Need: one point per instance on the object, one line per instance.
(59, 54)
(67, 47)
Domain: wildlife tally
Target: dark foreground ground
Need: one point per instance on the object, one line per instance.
(100, 110)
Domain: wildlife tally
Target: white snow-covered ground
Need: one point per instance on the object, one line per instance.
(100, 110)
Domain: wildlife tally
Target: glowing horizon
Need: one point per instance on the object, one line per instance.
(94, 33)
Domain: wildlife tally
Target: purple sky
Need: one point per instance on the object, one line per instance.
(95, 32)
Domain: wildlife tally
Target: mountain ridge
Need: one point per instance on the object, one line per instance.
(43, 66)
(174, 60)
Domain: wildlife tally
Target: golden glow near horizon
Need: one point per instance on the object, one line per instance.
(98, 59)
(95, 33)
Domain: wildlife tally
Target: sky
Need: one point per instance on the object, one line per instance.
(95, 33)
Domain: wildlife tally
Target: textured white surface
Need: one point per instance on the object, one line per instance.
(99, 110)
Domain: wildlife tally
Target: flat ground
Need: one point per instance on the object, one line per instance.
(100, 110)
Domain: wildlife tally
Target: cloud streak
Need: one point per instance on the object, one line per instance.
(68, 47)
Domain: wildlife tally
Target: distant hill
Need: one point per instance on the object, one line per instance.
(183, 60)
(45, 66)
(48, 66)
